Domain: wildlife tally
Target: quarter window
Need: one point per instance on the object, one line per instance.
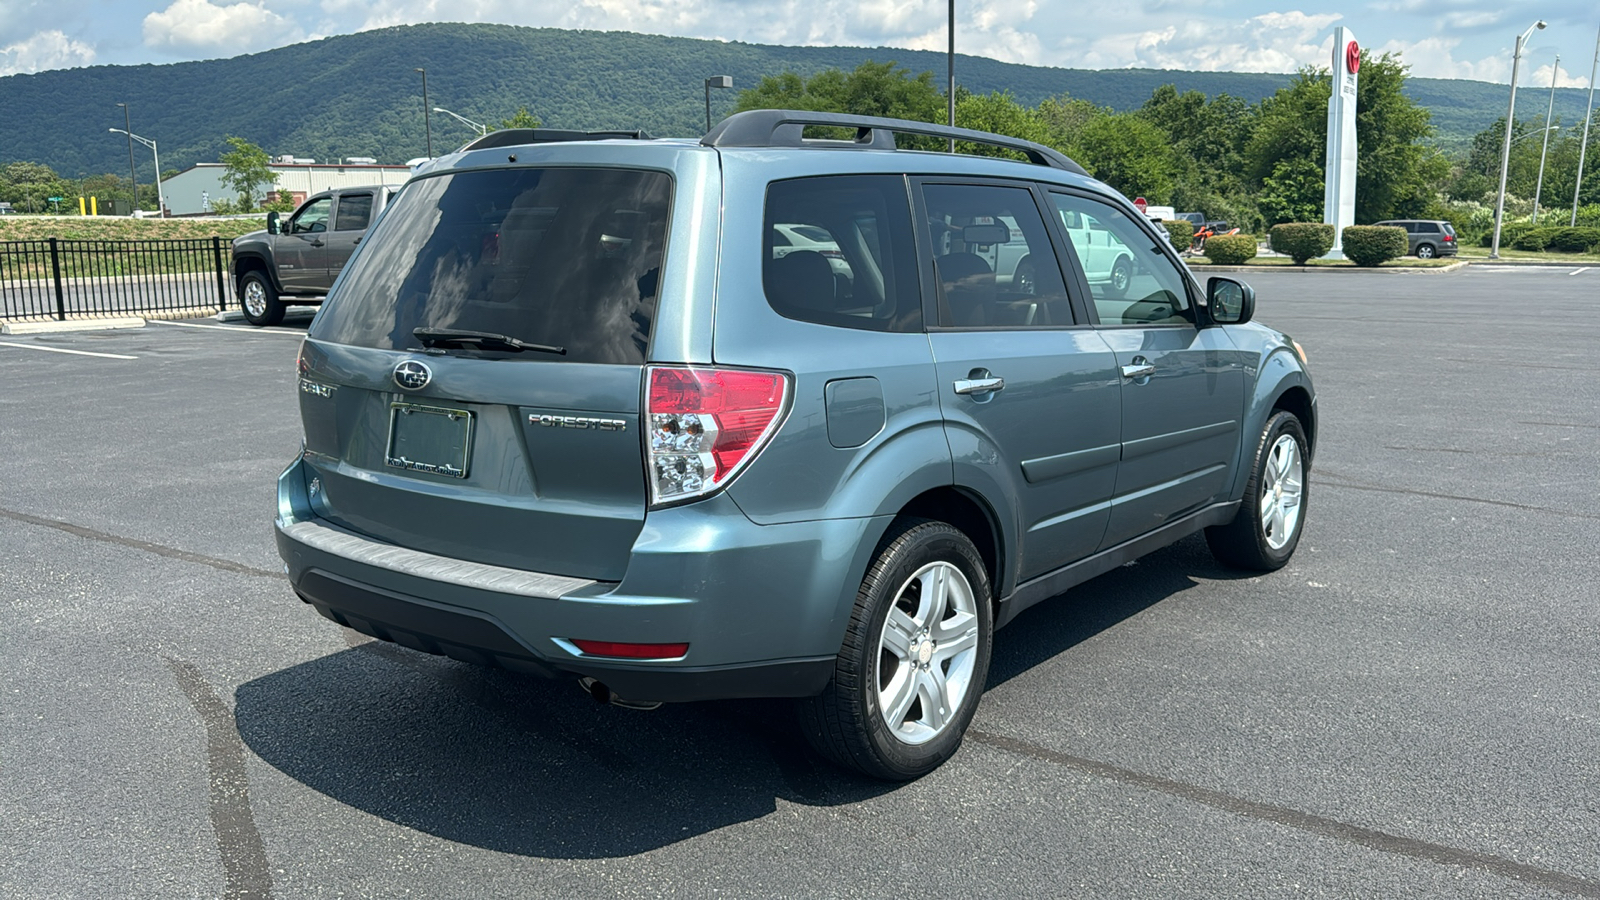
(1131, 281)
(838, 250)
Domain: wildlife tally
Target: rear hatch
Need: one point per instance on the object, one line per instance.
(473, 387)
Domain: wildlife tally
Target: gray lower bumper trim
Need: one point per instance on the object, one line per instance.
(341, 543)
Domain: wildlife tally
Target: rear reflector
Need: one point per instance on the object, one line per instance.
(706, 424)
(631, 651)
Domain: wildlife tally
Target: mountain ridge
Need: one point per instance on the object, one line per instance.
(357, 94)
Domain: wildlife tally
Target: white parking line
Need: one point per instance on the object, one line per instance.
(1580, 271)
(231, 328)
(64, 350)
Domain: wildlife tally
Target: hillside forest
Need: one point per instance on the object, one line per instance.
(1253, 164)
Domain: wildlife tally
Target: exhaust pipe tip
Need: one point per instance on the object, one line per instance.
(603, 694)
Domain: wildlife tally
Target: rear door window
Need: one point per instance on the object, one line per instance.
(353, 213)
(564, 257)
(992, 258)
(839, 250)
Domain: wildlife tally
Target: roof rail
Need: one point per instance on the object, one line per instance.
(508, 137)
(785, 128)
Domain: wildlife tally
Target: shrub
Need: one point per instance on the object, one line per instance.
(1573, 240)
(1232, 249)
(1372, 245)
(1530, 239)
(1180, 232)
(1301, 241)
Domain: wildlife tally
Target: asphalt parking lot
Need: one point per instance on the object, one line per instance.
(1410, 709)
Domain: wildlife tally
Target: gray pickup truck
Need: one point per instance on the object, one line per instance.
(301, 257)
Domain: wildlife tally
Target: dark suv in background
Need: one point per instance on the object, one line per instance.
(762, 415)
(301, 256)
(1428, 237)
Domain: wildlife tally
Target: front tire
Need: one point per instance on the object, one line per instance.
(915, 657)
(259, 300)
(1267, 528)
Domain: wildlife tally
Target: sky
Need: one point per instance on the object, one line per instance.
(1437, 38)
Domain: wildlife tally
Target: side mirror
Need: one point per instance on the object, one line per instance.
(1230, 302)
(272, 223)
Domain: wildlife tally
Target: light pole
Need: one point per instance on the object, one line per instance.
(134, 207)
(715, 81)
(950, 64)
(1505, 149)
(161, 199)
(1539, 186)
(1587, 114)
(427, 122)
(479, 127)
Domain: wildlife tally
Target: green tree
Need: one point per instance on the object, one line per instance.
(998, 113)
(523, 119)
(27, 186)
(1130, 154)
(1397, 172)
(1293, 192)
(246, 170)
(871, 89)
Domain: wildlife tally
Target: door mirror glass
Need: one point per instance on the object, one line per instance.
(272, 223)
(1231, 302)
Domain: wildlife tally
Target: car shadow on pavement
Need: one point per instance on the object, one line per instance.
(535, 767)
(1057, 625)
(526, 765)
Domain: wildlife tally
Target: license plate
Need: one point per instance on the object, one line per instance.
(432, 439)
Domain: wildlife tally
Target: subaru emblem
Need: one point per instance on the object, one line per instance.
(412, 375)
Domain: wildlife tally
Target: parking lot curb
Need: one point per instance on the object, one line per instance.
(74, 325)
(1410, 270)
(234, 315)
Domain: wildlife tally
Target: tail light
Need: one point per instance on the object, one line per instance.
(1449, 238)
(706, 424)
(618, 650)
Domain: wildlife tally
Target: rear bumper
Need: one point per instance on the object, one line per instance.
(763, 608)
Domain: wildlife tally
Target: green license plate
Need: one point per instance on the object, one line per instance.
(431, 439)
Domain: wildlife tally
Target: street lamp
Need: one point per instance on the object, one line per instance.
(133, 207)
(1587, 114)
(1538, 188)
(715, 81)
(427, 122)
(161, 199)
(479, 127)
(1505, 149)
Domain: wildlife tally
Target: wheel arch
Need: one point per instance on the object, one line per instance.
(974, 517)
(254, 262)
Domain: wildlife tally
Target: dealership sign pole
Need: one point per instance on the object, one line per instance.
(1339, 181)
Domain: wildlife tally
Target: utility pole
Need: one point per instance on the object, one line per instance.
(427, 120)
(1587, 115)
(132, 178)
(1539, 187)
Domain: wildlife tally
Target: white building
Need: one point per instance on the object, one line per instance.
(190, 191)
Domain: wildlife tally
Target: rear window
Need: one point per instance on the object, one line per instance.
(558, 256)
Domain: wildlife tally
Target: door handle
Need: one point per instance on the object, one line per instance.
(1144, 370)
(979, 385)
(315, 242)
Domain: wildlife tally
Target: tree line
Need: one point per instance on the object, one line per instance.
(1252, 164)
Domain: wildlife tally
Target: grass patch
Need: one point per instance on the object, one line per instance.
(1481, 254)
(119, 228)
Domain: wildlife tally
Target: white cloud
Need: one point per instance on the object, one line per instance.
(189, 26)
(1271, 42)
(1434, 57)
(1540, 77)
(45, 50)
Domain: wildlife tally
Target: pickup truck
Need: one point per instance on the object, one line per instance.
(300, 257)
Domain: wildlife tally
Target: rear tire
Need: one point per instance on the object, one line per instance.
(1268, 526)
(1426, 251)
(915, 657)
(259, 300)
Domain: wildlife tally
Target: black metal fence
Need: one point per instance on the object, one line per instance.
(61, 279)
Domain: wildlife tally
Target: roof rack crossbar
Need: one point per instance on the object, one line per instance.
(509, 137)
(785, 128)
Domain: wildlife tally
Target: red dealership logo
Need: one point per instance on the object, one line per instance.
(1352, 57)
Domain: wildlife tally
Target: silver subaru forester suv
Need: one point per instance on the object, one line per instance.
(588, 408)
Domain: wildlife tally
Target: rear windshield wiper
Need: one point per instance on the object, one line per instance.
(484, 340)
